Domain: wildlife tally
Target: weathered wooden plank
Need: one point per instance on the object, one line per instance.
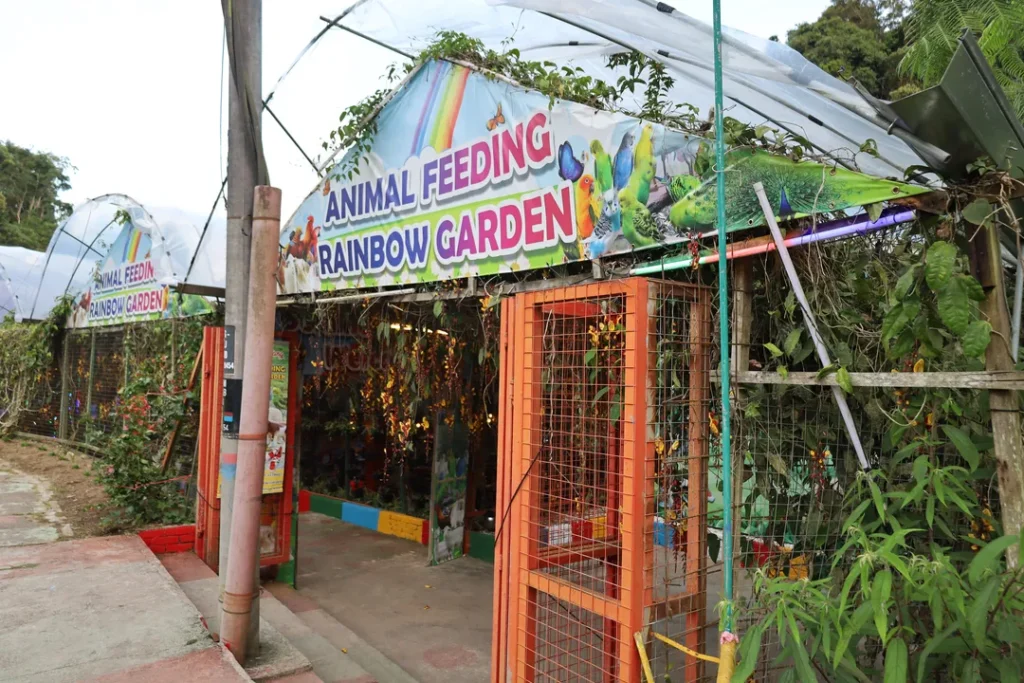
(1004, 405)
(990, 379)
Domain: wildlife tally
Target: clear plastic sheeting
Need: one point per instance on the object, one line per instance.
(20, 269)
(765, 82)
(196, 259)
(82, 241)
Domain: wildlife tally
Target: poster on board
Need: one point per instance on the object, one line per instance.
(468, 175)
(275, 459)
(277, 420)
(449, 480)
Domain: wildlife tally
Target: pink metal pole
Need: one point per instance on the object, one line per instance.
(241, 588)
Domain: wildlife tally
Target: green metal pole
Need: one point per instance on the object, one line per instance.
(723, 320)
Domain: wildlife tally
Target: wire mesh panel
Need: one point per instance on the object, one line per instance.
(678, 450)
(604, 462)
(39, 399)
(79, 351)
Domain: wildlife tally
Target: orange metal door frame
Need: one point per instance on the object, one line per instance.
(627, 594)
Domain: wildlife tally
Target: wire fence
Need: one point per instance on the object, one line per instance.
(80, 396)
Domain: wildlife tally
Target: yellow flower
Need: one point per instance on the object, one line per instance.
(919, 365)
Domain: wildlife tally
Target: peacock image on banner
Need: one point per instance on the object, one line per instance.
(129, 286)
(471, 176)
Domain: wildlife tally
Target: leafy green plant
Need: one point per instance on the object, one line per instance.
(908, 581)
(29, 356)
(933, 31)
(147, 409)
(899, 605)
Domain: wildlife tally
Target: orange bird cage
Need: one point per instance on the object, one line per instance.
(602, 482)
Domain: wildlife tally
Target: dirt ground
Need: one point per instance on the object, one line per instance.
(80, 497)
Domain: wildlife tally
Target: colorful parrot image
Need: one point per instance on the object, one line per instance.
(569, 167)
(623, 166)
(588, 206)
(610, 220)
(639, 225)
(607, 228)
(602, 167)
(644, 165)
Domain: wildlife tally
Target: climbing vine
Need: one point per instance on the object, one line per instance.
(29, 363)
(358, 126)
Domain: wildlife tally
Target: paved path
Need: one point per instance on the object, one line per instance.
(98, 609)
(434, 622)
(335, 654)
(28, 513)
(103, 609)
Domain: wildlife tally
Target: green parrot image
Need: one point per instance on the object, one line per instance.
(683, 185)
(793, 189)
(187, 305)
(643, 165)
(639, 225)
(602, 167)
(640, 181)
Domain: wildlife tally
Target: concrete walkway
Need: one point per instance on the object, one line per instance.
(100, 609)
(318, 655)
(28, 513)
(434, 622)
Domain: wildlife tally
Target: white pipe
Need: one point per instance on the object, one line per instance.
(819, 344)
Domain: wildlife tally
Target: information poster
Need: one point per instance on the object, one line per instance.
(277, 421)
(448, 493)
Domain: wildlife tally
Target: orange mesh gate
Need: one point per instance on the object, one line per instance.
(602, 473)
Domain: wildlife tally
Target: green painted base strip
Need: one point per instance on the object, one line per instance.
(481, 546)
(325, 505)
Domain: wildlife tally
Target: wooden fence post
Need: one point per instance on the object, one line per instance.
(742, 310)
(62, 424)
(1004, 405)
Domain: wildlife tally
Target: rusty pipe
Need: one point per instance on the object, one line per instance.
(241, 588)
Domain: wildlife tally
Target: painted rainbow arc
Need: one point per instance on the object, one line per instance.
(441, 108)
(131, 247)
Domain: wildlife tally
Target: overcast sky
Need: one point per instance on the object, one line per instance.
(129, 90)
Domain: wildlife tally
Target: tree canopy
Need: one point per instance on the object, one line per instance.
(896, 47)
(858, 39)
(933, 27)
(30, 205)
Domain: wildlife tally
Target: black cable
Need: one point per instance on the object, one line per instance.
(206, 226)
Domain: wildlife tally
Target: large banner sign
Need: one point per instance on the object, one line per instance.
(471, 176)
(127, 287)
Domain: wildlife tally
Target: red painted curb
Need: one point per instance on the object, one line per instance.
(171, 539)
